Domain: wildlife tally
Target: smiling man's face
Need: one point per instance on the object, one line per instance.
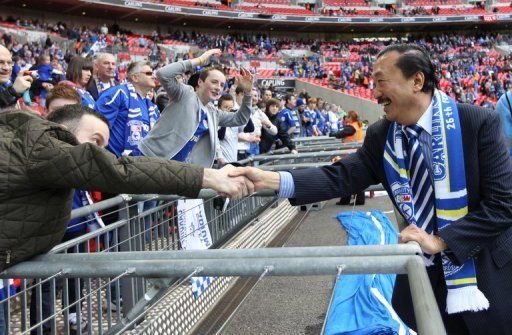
(5, 65)
(211, 88)
(392, 90)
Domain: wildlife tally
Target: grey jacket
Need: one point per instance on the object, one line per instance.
(180, 119)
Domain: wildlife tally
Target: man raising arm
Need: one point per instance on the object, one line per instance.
(194, 138)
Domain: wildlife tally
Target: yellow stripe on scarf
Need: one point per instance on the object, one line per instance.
(402, 172)
(451, 214)
(462, 281)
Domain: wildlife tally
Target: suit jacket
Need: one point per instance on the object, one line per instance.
(485, 233)
(180, 119)
(92, 88)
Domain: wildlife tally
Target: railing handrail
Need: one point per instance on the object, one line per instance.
(120, 199)
(328, 251)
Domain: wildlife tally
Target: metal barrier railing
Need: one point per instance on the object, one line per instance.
(255, 262)
(311, 149)
(50, 304)
(306, 157)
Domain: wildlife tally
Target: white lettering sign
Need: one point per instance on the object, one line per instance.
(133, 4)
(211, 12)
(172, 9)
(245, 15)
(273, 82)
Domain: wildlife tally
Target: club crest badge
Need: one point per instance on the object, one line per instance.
(403, 199)
(448, 267)
(135, 128)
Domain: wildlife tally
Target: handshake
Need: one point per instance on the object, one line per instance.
(237, 182)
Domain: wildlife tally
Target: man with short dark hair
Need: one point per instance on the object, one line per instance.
(187, 129)
(267, 95)
(450, 177)
(44, 162)
(130, 113)
(286, 114)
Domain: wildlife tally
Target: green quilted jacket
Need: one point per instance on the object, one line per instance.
(40, 165)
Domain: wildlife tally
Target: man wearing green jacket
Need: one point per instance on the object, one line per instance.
(42, 162)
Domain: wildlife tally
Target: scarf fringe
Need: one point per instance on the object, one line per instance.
(463, 299)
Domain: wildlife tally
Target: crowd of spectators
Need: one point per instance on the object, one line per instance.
(468, 66)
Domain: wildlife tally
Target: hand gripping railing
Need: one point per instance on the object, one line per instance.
(296, 157)
(317, 147)
(252, 262)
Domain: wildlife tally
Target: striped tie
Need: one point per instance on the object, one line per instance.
(421, 184)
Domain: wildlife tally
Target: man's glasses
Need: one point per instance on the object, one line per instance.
(149, 73)
(4, 63)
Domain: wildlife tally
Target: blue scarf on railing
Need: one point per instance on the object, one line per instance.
(451, 201)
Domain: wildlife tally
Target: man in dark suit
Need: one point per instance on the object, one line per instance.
(104, 74)
(405, 85)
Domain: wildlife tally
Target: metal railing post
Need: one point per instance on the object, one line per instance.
(426, 311)
(125, 285)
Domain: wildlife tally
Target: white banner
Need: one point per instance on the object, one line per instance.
(192, 225)
(194, 234)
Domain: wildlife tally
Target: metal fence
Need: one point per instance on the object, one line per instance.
(51, 304)
(262, 262)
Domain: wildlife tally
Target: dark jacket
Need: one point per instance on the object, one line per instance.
(93, 88)
(484, 233)
(41, 165)
(282, 136)
(8, 96)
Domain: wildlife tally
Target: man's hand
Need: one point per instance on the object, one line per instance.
(266, 123)
(47, 86)
(335, 159)
(245, 80)
(254, 139)
(205, 57)
(294, 151)
(260, 179)
(228, 187)
(22, 83)
(430, 244)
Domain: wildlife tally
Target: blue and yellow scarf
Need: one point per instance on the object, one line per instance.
(451, 202)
